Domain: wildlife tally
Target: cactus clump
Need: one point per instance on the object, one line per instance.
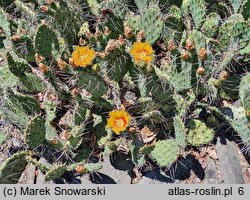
(86, 79)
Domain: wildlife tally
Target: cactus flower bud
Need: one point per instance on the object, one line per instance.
(15, 38)
(44, 9)
(98, 33)
(171, 46)
(190, 45)
(185, 55)
(74, 92)
(43, 68)
(53, 141)
(112, 45)
(49, 2)
(61, 64)
(71, 62)
(200, 70)
(38, 58)
(121, 40)
(203, 54)
(140, 36)
(80, 169)
(107, 32)
(223, 75)
(101, 55)
(66, 135)
(128, 31)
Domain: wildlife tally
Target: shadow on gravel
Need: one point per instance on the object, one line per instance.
(156, 175)
(120, 161)
(181, 170)
(100, 178)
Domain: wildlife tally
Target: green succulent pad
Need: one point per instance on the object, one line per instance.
(198, 10)
(92, 82)
(180, 132)
(211, 25)
(66, 19)
(142, 4)
(239, 122)
(92, 167)
(27, 103)
(165, 152)
(46, 41)
(235, 29)
(17, 66)
(3, 137)
(13, 167)
(152, 24)
(119, 66)
(199, 133)
(4, 23)
(7, 79)
(55, 172)
(244, 91)
(35, 132)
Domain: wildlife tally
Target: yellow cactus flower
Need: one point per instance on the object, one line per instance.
(118, 121)
(83, 56)
(142, 51)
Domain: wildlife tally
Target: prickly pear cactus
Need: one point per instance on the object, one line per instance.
(244, 93)
(165, 152)
(180, 132)
(55, 172)
(199, 133)
(13, 167)
(240, 124)
(35, 132)
(85, 79)
(152, 24)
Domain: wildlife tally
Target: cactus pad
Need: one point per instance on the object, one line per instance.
(180, 132)
(165, 152)
(244, 91)
(199, 133)
(152, 24)
(118, 67)
(55, 172)
(92, 83)
(12, 168)
(35, 132)
(211, 25)
(240, 124)
(198, 10)
(46, 41)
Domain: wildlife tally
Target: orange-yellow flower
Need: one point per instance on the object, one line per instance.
(83, 56)
(118, 121)
(142, 51)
